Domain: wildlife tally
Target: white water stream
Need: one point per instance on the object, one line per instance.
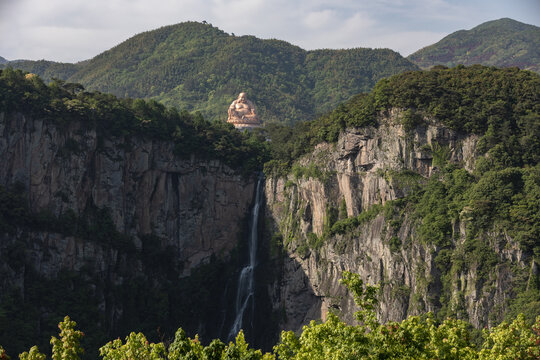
(245, 293)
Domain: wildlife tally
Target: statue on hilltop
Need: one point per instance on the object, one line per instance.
(242, 113)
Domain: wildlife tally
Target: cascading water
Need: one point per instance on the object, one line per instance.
(245, 293)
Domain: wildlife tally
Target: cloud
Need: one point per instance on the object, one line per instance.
(319, 19)
(74, 30)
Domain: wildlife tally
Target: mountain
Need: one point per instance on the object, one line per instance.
(502, 43)
(128, 216)
(429, 186)
(45, 69)
(163, 211)
(196, 66)
(3, 60)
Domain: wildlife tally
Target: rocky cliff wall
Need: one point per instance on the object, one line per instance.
(196, 206)
(173, 215)
(365, 170)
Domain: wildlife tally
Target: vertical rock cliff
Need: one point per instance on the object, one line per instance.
(150, 220)
(346, 206)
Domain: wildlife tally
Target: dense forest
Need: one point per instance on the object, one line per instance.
(503, 43)
(501, 105)
(198, 67)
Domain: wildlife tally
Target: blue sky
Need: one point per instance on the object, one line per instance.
(75, 30)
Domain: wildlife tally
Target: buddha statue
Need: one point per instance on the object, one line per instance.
(242, 113)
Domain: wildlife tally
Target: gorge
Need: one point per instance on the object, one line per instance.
(245, 295)
(127, 226)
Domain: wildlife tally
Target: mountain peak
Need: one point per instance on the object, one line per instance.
(504, 43)
(196, 66)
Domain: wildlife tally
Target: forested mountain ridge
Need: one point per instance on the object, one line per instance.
(502, 43)
(47, 70)
(196, 66)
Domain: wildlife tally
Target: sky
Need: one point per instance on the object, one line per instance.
(76, 30)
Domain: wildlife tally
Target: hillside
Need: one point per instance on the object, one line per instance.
(45, 69)
(429, 185)
(3, 60)
(502, 43)
(196, 66)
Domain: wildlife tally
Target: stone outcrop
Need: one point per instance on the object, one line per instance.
(366, 167)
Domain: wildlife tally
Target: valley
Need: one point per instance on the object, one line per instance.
(129, 215)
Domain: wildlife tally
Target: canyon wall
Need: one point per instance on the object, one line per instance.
(366, 169)
(169, 216)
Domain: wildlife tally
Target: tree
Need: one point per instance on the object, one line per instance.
(512, 341)
(33, 354)
(68, 346)
(136, 347)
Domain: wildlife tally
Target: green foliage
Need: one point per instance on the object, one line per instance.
(311, 171)
(441, 154)
(411, 119)
(349, 224)
(501, 43)
(332, 339)
(451, 340)
(512, 341)
(136, 347)
(465, 99)
(364, 296)
(198, 67)
(501, 105)
(508, 197)
(414, 338)
(63, 103)
(526, 302)
(395, 244)
(33, 354)
(68, 345)
(3, 355)
(48, 70)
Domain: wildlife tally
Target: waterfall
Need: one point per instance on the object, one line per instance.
(245, 299)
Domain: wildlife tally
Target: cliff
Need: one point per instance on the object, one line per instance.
(353, 205)
(428, 186)
(125, 218)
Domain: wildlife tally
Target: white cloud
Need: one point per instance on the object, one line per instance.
(319, 19)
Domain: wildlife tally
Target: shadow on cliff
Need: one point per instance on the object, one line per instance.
(282, 303)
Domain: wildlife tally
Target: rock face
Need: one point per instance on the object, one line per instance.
(368, 167)
(195, 205)
(195, 209)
